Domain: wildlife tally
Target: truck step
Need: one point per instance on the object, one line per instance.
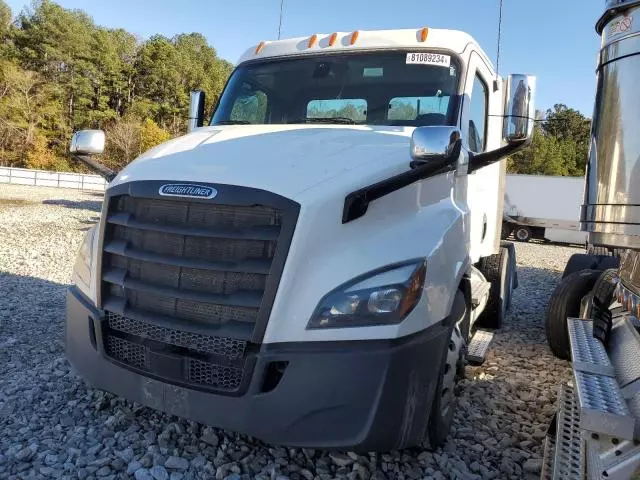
(587, 353)
(624, 349)
(569, 452)
(479, 346)
(603, 409)
(479, 291)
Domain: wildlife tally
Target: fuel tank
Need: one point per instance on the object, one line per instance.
(611, 210)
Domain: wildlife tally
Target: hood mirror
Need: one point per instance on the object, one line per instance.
(86, 143)
(431, 144)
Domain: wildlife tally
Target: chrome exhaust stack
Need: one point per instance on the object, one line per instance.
(611, 210)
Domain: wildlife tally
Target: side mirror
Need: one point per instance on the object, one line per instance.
(519, 108)
(196, 110)
(437, 143)
(87, 142)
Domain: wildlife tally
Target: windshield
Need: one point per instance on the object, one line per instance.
(375, 88)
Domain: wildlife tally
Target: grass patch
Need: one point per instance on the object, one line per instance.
(17, 202)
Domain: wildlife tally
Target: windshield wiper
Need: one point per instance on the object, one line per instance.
(338, 120)
(233, 122)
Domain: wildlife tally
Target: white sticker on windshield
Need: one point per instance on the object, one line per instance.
(425, 58)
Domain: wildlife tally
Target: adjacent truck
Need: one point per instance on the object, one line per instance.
(310, 267)
(593, 313)
(543, 207)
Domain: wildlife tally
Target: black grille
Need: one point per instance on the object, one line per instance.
(127, 352)
(230, 348)
(194, 261)
(226, 378)
(188, 284)
(184, 357)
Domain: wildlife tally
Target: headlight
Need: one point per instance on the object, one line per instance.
(82, 267)
(382, 297)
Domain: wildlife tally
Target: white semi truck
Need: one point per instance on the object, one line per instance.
(310, 267)
(593, 313)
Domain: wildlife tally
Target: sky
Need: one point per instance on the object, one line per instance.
(552, 39)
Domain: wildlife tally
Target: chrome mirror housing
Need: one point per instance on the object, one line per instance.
(87, 142)
(519, 108)
(431, 143)
(196, 110)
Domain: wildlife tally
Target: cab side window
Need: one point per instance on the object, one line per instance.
(477, 134)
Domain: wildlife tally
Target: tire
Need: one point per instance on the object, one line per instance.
(580, 261)
(607, 263)
(443, 404)
(565, 302)
(522, 233)
(604, 289)
(497, 270)
(512, 261)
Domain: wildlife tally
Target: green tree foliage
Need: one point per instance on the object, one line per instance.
(560, 145)
(60, 72)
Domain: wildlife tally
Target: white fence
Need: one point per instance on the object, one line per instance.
(24, 176)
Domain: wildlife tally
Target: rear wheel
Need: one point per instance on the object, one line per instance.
(443, 404)
(522, 233)
(604, 289)
(580, 261)
(497, 269)
(565, 302)
(608, 262)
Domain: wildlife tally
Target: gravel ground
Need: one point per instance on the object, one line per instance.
(53, 425)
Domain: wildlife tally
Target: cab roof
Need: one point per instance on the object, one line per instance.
(422, 38)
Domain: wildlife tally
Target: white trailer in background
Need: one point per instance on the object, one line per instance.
(544, 207)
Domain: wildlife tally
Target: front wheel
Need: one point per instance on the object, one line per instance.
(443, 404)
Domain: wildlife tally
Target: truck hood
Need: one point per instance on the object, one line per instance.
(284, 159)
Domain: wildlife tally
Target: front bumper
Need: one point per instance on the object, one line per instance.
(361, 395)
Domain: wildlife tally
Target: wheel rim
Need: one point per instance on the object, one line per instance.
(522, 234)
(454, 349)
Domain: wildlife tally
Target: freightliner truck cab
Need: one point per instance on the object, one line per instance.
(311, 266)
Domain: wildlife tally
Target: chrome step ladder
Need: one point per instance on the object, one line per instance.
(597, 430)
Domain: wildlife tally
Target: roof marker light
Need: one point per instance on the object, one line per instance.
(333, 38)
(312, 40)
(260, 47)
(423, 34)
(354, 37)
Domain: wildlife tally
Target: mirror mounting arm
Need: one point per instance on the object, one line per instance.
(97, 167)
(480, 160)
(357, 202)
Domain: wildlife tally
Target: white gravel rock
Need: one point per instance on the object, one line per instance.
(52, 424)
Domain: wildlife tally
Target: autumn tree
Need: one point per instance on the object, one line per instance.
(559, 147)
(79, 75)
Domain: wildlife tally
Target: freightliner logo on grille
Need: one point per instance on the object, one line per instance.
(187, 190)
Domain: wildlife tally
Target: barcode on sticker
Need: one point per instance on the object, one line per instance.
(428, 59)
